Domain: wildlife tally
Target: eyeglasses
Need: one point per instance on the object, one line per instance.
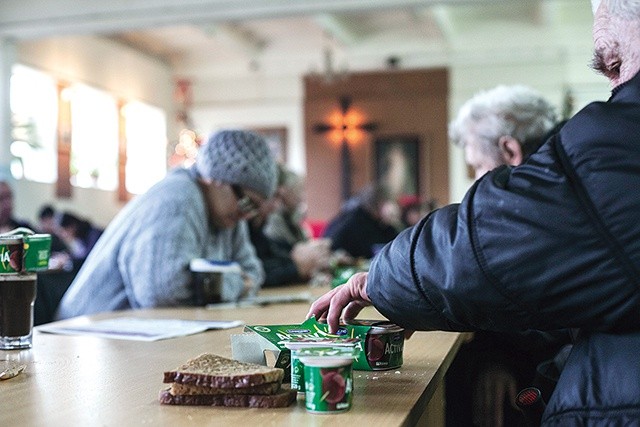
(248, 207)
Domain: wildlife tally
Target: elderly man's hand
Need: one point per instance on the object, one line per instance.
(346, 300)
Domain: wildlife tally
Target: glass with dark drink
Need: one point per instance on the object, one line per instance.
(17, 295)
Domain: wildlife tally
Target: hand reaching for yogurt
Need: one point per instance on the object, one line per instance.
(345, 300)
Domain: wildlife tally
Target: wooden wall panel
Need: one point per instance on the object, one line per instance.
(400, 103)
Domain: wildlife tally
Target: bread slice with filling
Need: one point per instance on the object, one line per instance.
(210, 370)
(194, 390)
(283, 398)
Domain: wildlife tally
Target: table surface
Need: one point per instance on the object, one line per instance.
(82, 380)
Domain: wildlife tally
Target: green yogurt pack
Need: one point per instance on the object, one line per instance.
(23, 251)
(378, 344)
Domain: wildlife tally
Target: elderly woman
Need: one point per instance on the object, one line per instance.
(501, 126)
(142, 258)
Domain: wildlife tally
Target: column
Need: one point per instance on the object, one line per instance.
(7, 59)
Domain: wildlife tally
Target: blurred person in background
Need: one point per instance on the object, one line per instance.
(61, 258)
(412, 210)
(365, 223)
(48, 219)
(7, 220)
(286, 252)
(500, 126)
(286, 222)
(79, 234)
(142, 258)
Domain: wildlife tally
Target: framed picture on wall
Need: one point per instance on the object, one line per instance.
(276, 137)
(397, 164)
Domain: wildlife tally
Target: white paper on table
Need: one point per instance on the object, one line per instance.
(140, 329)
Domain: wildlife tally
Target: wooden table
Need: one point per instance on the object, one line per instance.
(89, 381)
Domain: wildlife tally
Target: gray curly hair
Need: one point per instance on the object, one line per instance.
(516, 111)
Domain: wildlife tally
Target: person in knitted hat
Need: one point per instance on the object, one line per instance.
(142, 259)
(241, 158)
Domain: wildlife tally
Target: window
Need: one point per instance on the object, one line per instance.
(72, 134)
(145, 132)
(94, 138)
(34, 111)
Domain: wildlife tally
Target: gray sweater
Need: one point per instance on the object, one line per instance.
(142, 259)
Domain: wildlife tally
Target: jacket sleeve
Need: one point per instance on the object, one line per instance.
(522, 251)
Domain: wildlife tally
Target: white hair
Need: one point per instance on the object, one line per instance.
(594, 5)
(517, 111)
(626, 9)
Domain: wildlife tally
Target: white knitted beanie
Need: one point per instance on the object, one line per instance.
(238, 157)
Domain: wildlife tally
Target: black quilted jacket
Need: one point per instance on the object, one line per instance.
(553, 243)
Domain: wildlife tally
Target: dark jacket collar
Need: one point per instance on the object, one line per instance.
(628, 91)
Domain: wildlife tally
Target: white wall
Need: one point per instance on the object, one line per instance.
(96, 205)
(259, 102)
(106, 65)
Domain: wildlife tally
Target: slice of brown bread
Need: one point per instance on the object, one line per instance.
(282, 399)
(210, 370)
(193, 390)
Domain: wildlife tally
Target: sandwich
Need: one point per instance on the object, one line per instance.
(213, 380)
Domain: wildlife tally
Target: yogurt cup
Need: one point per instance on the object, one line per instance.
(297, 367)
(328, 378)
(383, 344)
(11, 250)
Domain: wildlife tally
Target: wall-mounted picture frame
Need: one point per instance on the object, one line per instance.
(397, 164)
(276, 138)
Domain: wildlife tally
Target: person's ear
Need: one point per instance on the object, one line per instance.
(510, 150)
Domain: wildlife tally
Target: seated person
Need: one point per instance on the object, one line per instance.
(290, 258)
(7, 221)
(54, 282)
(142, 258)
(500, 126)
(48, 220)
(285, 223)
(79, 235)
(361, 227)
(412, 210)
(61, 258)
